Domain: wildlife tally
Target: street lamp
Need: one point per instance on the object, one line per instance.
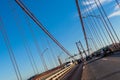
(43, 60)
(60, 62)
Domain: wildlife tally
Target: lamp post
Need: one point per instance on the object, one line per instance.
(60, 62)
(43, 60)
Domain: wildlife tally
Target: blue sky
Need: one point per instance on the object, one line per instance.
(60, 17)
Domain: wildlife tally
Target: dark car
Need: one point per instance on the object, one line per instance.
(79, 61)
(107, 51)
(88, 58)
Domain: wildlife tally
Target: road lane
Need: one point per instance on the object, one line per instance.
(75, 73)
(107, 68)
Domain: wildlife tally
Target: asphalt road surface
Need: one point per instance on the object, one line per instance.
(107, 68)
(75, 73)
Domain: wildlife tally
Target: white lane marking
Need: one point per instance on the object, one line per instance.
(96, 57)
(83, 67)
(104, 59)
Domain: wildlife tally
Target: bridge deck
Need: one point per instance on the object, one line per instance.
(107, 68)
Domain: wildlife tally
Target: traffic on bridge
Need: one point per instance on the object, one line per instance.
(59, 40)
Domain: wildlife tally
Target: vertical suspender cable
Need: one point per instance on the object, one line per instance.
(105, 26)
(89, 38)
(108, 30)
(98, 22)
(97, 26)
(27, 48)
(103, 30)
(94, 27)
(24, 8)
(33, 35)
(34, 38)
(51, 50)
(89, 29)
(82, 23)
(110, 25)
(109, 22)
(94, 42)
(10, 51)
(94, 31)
(100, 27)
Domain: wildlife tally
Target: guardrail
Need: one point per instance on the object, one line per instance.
(60, 73)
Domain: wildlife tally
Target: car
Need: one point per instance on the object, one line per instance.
(88, 58)
(68, 64)
(107, 51)
(79, 61)
(102, 52)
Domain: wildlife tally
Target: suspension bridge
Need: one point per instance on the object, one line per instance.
(29, 51)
